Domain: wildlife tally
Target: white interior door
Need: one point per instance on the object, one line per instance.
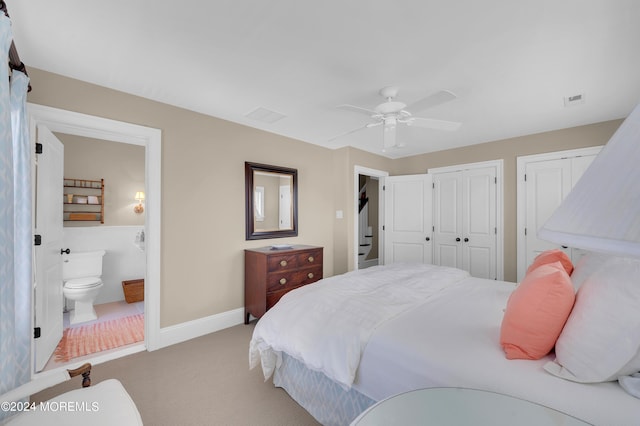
(547, 183)
(408, 219)
(466, 219)
(479, 229)
(544, 180)
(48, 297)
(447, 219)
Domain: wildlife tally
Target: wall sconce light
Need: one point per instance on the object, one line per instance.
(139, 198)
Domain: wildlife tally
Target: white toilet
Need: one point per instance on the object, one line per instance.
(81, 273)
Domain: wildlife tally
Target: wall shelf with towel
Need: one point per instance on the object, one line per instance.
(83, 200)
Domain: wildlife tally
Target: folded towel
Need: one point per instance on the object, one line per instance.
(631, 384)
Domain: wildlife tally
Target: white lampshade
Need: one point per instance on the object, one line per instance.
(602, 211)
(139, 196)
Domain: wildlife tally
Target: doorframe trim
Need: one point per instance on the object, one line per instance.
(499, 165)
(360, 170)
(74, 123)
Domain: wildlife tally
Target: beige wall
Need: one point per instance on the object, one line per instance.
(120, 165)
(203, 206)
(509, 150)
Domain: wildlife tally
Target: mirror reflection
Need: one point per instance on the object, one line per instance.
(271, 197)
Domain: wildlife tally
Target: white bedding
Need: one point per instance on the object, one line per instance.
(454, 341)
(448, 336)
(327, 327)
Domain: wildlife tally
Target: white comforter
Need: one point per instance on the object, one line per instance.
(329, 323)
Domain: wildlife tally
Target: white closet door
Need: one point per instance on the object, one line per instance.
(544, 180)
(546, 185)
(465, 220)
(447, 219)
(408, 219)
(479, 222)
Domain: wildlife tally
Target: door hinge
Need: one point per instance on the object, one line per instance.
(37, 240)
(384, 187)
(525, 177)
(495, 180)
(495, 231)
(383, 227)
(36, 332)
(38, 148)
(525, 231)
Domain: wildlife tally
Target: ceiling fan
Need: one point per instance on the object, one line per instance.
(391, 113)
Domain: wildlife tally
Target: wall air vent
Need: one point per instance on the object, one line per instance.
(577, 99)
(265, 115)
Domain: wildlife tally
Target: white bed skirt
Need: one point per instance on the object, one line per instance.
(323, 398)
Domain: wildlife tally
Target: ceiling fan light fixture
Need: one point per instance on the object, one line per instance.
(389, 134)
(390, 123)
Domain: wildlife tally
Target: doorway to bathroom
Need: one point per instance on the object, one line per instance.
(101, 213)
(123, 238)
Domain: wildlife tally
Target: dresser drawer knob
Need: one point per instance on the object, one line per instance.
(283, 263)
(283, 281)
(311, 259)
(310, 275)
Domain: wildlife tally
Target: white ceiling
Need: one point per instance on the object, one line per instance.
(511, 63)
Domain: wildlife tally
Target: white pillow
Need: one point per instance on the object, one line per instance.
(587, 265)
(601, 339)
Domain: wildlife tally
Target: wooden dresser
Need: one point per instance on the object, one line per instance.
(270, 273)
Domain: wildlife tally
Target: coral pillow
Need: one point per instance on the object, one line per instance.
(536, 312)
(552, 256)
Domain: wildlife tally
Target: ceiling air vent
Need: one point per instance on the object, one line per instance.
(574, 100)
(265, 115)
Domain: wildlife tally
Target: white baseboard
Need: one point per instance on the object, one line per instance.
(199, 327)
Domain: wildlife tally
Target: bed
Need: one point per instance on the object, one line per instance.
(340, 345)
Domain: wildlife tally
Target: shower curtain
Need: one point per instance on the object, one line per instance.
(15, 225)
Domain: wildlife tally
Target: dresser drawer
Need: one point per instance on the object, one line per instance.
(311, 257)
(289, 279)
(282, 262)
(274, 296)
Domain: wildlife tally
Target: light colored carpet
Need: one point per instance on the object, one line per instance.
(100, 336)
(204, 381)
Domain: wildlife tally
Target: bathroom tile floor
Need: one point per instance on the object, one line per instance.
(106, 312)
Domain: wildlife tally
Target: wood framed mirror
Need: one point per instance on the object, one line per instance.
(271, 194)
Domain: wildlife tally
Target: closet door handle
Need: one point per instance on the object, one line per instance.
(466, 240)
(63, 251)
(458, 239)
(427, 239)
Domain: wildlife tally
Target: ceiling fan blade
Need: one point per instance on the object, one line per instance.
(432, 100)
(359, 110)
(432, 123)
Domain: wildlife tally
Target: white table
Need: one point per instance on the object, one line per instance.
(457, 406)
